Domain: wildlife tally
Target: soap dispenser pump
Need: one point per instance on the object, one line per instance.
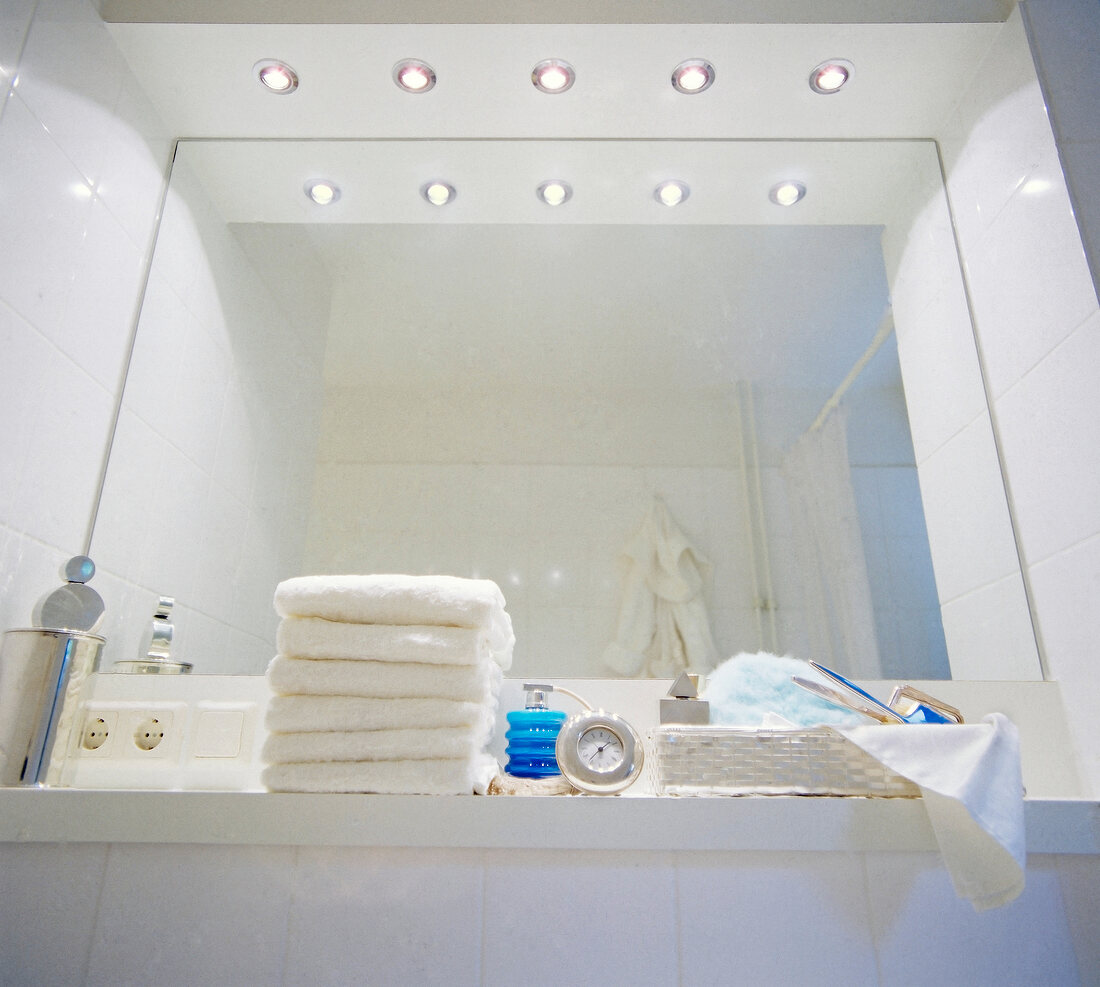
(532, 734)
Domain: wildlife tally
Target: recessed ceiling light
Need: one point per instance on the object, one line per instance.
(830, 76)
(323, 192)
(671, 193)
(692, 76)
(277, 76)
(554, 192)
(552, 75)
(787, 193)
(414, 76)
(438, 193)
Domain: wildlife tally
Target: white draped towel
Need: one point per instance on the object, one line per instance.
(663, 623)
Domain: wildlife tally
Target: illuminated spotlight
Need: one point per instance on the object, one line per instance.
(555, 193)
(552, 75)
(438, 193)
(692, 76)
(671, 193)
(830, 76)
(787, 193)
(323, 192)
(414, 76)
(276, 76)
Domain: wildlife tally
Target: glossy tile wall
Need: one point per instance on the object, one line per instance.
(217, 437)
(280, 915)
(459, 485)
(1038, 328)
(82, 913)
(82, 161)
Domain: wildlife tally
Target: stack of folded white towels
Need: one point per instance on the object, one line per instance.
(385, 683)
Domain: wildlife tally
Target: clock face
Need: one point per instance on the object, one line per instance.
(599, 752)
(600, 749)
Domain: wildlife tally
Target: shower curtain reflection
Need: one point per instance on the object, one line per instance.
(828, 549)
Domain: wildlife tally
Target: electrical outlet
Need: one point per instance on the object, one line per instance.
(99, 734)
(150, 731)
(154, 731)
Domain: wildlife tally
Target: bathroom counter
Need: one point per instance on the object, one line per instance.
(509, 822)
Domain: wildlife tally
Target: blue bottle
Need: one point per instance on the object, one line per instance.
(531, 736)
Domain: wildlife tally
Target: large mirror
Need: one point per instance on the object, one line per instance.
(506, 389)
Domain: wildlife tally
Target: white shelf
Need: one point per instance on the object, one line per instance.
(509, 822)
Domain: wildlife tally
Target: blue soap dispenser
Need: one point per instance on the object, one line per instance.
(532, 734)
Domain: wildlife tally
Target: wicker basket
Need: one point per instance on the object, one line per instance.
(714, 760)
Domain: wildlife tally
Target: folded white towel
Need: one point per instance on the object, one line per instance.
(461, 776)
(969, 776)
(385, 679)
(409, 744)
(301, 714)
(314, 637)
(400, 599)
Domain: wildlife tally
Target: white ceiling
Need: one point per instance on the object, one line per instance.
(613, 135)
(907, 77)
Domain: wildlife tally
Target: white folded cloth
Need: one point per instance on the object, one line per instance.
(385, 679)
(302, 714)
(972, 788)
(315, 637)
(400, 599)
(405, 744)
(460, 776)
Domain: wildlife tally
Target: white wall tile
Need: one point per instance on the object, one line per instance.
(48, 901)
(998, 141)
(67, 46)
(226, 908)
(387, 917)
(237, 451)
(224, 521)
(204, 641)
(69, 427)
(141, 149)
(100, 310)
(970, 538)
(46, 205)
(917, 920)
(15, 19)
(774, 918)
(164, 319)
(127, 617)
(940, 370)
(176, 523)
(195, 379)
(123, 522)
(20, 400)
(245, 654)
(992, 620)
(1066, 588)
(1028, 298)
(1051, 442)
(998, 132)
(615, 911)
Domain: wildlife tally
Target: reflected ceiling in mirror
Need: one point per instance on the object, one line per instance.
(501, 389)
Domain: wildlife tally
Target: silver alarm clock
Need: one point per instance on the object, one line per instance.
(599, 752)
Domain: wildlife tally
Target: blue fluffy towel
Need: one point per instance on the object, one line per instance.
(744, 688)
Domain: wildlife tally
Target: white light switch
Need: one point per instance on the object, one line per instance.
(218, 733)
